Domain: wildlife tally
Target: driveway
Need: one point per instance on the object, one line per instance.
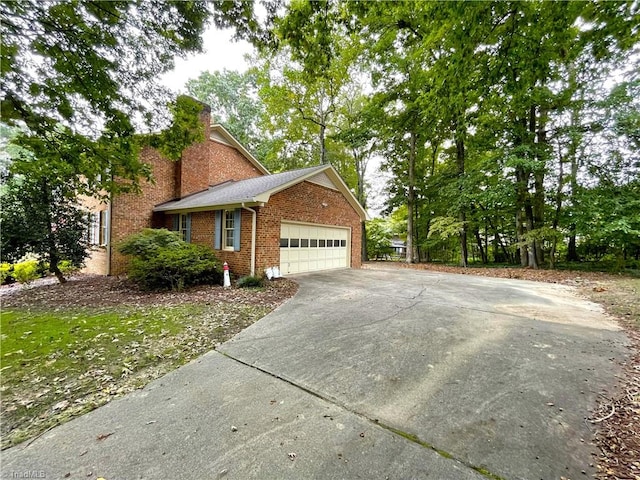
(366, 374)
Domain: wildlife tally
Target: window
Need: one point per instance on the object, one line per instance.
(284, 242)
(104, 228)
(183, 227)
(228, 230)
(98, 234)
(294, 242)
(304, 242)
(314, 242)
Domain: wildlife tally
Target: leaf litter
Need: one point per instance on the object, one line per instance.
(92, 364)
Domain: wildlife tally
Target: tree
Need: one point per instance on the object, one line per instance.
(93, 67)
(489, 115)
(40, 210)
(233, 97)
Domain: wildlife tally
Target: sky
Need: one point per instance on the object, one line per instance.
(221, 52)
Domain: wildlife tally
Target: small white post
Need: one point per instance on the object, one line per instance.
(227, 279)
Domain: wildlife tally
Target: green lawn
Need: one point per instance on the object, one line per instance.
(60, 363)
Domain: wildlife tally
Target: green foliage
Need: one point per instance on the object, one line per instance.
(250, 281)
(67, 267)
(26, 271)
(94, 68)
(147, 243)
(445, 227)
(232, 97)
(6, 273)
(379, 238)
(162, 261)
(40, 213)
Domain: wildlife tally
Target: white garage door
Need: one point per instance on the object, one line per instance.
(308, 248)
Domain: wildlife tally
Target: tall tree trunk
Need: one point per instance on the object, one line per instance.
(323, 149)
(539, 193)
(462, 216)
(533, 258)
(360, 171)
(364, 253)
(52, 251)
(572, 251)
(522, 182)
(556, 214)
(411, 199)
(483, 253)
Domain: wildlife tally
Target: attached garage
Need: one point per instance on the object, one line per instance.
(311, 247)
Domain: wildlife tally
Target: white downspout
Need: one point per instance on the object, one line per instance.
(254, 223)
(110, 207)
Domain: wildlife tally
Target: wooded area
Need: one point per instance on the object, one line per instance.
(511, 130)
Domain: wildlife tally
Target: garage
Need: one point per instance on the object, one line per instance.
(310, 247)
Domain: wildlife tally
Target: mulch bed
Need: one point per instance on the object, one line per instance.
(101, 291)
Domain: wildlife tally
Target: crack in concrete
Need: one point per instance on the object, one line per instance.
(334, 401)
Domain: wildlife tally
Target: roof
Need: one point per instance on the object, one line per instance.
(255, 191)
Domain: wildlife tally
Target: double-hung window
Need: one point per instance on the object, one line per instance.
(226, 235)
(229, 229)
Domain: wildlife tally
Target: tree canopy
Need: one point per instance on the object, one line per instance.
(510, 129)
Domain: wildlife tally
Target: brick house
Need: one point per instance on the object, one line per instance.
(219, 195)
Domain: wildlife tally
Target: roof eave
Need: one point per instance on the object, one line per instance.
(207, 208)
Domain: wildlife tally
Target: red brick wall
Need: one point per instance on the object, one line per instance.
(130, 212)
(195, 162)
(229, 164)
(303, 203)
(239, 262)
(203, 164)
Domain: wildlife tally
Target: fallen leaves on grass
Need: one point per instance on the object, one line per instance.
(37, 399)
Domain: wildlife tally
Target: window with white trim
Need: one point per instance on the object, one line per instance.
(98, 228)
(228, 229)
(104, 228)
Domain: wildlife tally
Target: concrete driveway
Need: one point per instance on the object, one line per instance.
(366, 374)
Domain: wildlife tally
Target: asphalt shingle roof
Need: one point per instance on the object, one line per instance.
(235, 192)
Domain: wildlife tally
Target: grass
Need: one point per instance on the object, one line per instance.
(61, 363)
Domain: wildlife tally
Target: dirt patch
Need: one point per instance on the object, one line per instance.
(564, 277)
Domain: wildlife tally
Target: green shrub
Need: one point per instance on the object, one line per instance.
(6, 273)
(250, 281)
(162, 261)
(149, 241)
(26, 271)
(67, 267)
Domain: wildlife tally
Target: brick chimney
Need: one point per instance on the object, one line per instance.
(192, 170)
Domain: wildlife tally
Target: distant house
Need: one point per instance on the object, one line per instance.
(399, 247)
(219, 195)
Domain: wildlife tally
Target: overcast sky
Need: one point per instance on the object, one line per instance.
(220, 52)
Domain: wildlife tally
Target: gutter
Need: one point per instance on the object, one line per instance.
(254, 223)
